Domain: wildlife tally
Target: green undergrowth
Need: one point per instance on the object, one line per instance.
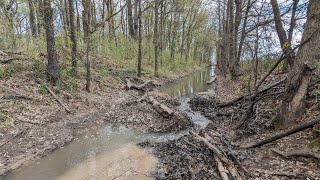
(109, 62)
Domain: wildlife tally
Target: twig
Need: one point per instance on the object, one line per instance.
(39, 81)
(6, 61)
(128, 170)
(14, 136)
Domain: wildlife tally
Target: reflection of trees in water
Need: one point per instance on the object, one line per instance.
(194, 83)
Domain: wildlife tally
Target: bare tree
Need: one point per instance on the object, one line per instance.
(73, 38)
(139, 38)
(52, 68)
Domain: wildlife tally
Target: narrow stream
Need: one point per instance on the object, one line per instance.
(111, 152)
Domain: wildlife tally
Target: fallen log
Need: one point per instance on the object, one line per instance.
(292, 153)
(39, 81)
(162, 109)
(230, 166)
(14, 96)
(230, 151)
(211, 80)
(285, 133)
(222, 170)
(3, 53)
(140, 87)
(7, 61)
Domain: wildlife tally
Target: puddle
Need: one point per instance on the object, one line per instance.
(104, 154)
(111, 152)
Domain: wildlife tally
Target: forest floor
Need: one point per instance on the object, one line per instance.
(36, 125)
(33, 123)
(189, 158)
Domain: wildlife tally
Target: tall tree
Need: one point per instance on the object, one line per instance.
(73, 38)
(87, 34)
(52, 67)
(138, 2)
(130, 19)
(156, 37)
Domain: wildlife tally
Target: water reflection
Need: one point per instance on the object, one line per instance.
(194, 83)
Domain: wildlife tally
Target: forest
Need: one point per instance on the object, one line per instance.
(159, 89)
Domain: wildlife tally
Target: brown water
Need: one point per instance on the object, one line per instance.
(111, 152)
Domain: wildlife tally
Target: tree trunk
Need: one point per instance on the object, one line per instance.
(285, 44)
(52, 67)
(243, 32)
(231, 39)
(65, 21)
(156, 38)
(40, 16)
(130, 19)
(78, 18)
(138, 2)
(32, 17)
(293, 105)
(87, 24)
(73, 38)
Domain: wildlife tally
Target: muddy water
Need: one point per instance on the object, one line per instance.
(111, 152)
(187, 87)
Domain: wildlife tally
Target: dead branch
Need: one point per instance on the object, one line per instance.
(162, 109)
(252, 102)
(211, 80)
(140, 87)
(10, 52)
(14, 96)
(230, 151)
(7, 61)
(292, 153)
(247, 95)
(3, 53)
(222, 170)
(230, 166)
(39, 81)
(285, 133)
(276, 173)
(14, 136)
